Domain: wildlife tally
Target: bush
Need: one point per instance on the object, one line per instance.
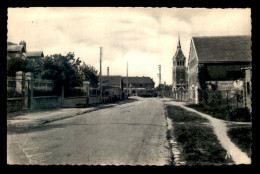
(240, 114)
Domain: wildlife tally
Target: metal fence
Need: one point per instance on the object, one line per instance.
(44, 88)
(74, 92)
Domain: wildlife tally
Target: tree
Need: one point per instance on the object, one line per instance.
(90, 74)
(64, 70)
(35, 66)
(15, 64)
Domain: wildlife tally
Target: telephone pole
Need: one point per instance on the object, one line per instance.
(127, 78)
(159, 74)
(100, 74)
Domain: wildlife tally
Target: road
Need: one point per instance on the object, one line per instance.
(127, 134)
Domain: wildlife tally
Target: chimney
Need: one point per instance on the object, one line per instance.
(107, 71)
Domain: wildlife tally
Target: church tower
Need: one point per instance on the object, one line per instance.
(179, 73)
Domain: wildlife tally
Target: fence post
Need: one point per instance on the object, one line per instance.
(86, 86)
(19, 81)
(29, 90)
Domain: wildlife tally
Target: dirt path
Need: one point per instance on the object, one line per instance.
(220, 130)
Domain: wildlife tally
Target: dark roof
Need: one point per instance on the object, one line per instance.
(138, 80)
(15, 48)
(179, 54)
(11, 43)
(223, 48)
(111, 81)
(34, 54)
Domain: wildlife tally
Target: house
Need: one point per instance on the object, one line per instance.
(133, 84)
(179, 74)
(34, 54)
(16, 51)
(218, 59)
(112, 87)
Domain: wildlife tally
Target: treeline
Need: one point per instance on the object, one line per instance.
(63, 69)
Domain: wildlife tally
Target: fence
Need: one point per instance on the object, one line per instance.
(44, 88)
(15, 93)
(24, 92)
(222, 98)
(182, 95)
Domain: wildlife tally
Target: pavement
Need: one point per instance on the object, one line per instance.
(127, 133)
(28, 119)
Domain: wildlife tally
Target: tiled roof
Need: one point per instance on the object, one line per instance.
(111, 81)
(15, 48)
(34, 54)
(223, 48)
(138, 80)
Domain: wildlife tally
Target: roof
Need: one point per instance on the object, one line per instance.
(138, 80)
(223, 48)
(35, 54)
(178, 54)
(111, 81)
(11, 43)
(15, 48)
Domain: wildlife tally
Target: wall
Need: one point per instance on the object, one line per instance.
(46, 102)
(248, 89)
(94, 100)
(74, 102)
(15, 104)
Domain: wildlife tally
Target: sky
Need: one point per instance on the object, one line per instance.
(143, 37)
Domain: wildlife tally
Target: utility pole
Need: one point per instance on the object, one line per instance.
(159, 74)
(100, 74)
(127, 78)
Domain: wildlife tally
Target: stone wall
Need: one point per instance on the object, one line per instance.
(94, 100)
(74, 102)
(46, 102)
(15, 104)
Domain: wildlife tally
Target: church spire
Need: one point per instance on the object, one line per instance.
(179, 43)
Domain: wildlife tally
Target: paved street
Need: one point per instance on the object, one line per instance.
(126, 134)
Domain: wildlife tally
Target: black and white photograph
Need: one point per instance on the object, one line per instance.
(135, 86)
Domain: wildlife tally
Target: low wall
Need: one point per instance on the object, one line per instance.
(94, 100)
(72, 102)
(46, 102)
(15, 104)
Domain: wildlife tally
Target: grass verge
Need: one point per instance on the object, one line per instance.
(197, 140)
(224, 113)
(242, 137)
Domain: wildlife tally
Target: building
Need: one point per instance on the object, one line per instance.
(34, 54)
(133, 84)
(112, 87)
(179, 74)
(218, 59)
(16, 51)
